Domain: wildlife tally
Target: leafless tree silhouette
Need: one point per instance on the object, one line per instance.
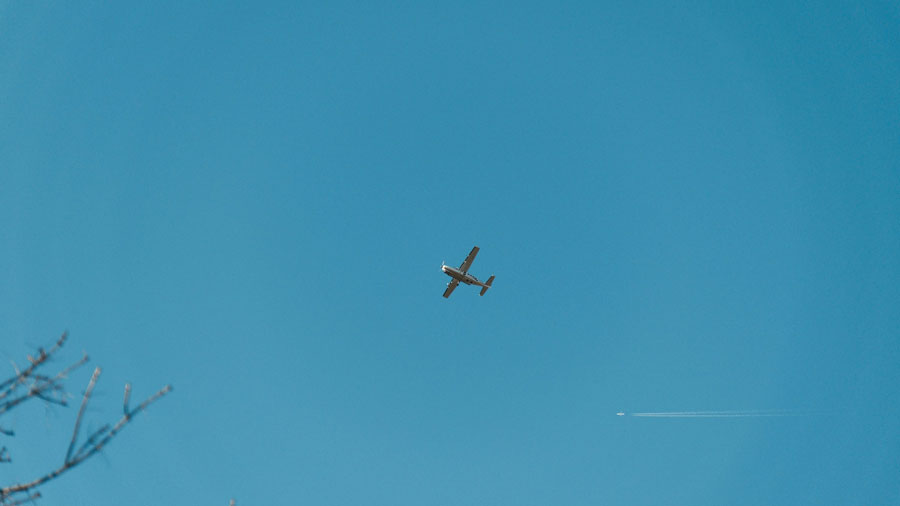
(31, 383)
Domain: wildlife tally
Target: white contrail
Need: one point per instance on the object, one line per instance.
(717, 414)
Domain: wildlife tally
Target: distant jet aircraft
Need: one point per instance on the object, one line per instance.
(462, 274)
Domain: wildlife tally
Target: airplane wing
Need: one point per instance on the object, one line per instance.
(469, 259)
(450, 287)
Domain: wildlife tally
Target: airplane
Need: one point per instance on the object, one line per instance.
(462, 274)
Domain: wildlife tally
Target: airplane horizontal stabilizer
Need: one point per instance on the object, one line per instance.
(487, 285)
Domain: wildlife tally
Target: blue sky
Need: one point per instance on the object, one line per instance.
(688, 207)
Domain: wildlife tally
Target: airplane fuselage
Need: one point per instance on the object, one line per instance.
(462, 277)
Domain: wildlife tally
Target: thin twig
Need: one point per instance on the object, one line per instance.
(92, 439)
(127, 397)
(65, 372)
(23, 500)
(84, 403)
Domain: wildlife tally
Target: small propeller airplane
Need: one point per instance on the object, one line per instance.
(462, 274)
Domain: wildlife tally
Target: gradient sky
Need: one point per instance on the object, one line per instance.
(686, 208)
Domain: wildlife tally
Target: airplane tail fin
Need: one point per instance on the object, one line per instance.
(487, 285)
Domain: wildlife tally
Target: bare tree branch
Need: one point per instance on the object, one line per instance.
(86, 451)
(41, 386)
(50, 389)
(35, 363)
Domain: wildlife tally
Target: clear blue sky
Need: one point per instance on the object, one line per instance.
(686, 208)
